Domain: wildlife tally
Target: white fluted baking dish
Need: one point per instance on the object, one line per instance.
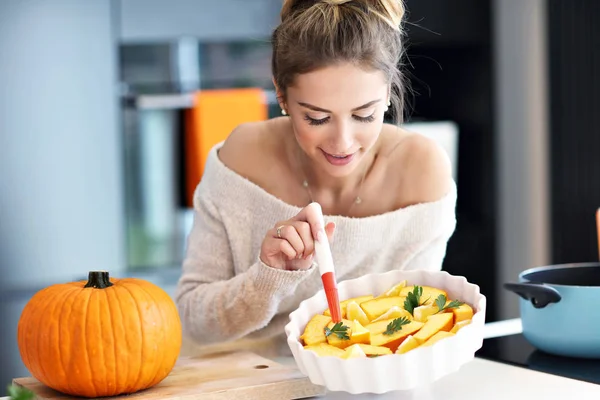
(416, 368)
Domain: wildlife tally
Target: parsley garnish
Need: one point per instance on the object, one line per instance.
(19, 393)
(339, 329)
(396, 325)
(440, 302)
(413, 299)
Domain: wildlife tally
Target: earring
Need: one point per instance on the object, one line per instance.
(283, 112)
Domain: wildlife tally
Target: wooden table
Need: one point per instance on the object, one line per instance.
(484, 379)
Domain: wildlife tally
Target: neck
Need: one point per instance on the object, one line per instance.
(337, 188)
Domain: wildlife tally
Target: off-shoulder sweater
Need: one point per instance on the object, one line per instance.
(226, 293)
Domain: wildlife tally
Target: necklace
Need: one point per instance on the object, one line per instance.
(357, 200)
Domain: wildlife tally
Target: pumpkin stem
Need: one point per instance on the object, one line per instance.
(98, 280)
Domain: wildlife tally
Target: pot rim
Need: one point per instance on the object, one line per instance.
(559, 266)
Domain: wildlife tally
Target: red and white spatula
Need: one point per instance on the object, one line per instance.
(325, 262)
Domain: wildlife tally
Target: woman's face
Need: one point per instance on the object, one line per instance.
(337, 115)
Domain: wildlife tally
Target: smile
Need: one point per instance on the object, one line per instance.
(338, 159)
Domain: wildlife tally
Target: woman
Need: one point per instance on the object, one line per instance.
(387, 194)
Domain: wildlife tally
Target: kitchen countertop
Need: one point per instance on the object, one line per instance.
(485, 379)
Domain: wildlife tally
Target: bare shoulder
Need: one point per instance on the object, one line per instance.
(421, 165)
(250, 149)
(245, 146)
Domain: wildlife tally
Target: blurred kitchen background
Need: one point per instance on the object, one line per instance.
(108, 107)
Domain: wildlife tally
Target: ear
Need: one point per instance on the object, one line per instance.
(278, 93)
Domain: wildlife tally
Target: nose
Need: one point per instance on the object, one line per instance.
(343, 137)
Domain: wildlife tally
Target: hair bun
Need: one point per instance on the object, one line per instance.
(336, 2)
(391, 11)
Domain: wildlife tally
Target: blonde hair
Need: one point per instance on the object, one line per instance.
(313, 34)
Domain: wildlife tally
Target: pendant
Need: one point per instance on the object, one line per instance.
(358, 200)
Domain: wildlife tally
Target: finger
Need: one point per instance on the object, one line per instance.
(289, 233)
(312, 214)
(286, 248)
(303, 229)
(330, 230)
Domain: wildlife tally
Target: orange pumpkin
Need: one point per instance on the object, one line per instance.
(103, 337)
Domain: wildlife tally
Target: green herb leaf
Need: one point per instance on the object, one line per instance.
(20, 393)
(396, 325)
(440, 302)
(413, 299)
(339, 329)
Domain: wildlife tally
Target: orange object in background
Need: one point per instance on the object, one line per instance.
(214, 115)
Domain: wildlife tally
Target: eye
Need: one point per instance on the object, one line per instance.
(316, 122)
(370, 118)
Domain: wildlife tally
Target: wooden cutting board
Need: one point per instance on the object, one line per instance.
(238, 375)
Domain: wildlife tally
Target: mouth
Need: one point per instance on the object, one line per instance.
(338, 159)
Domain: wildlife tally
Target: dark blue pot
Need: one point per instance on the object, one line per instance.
(560, 308)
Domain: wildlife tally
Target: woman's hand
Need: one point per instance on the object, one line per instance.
(290, 244)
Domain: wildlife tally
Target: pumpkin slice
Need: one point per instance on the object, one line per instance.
(355, 313)
(371, 350)
(434, 324)
(326, 350)
(356, 334)
(457, 326)
(376, 307)
(427, 297)
(421, 313)
(407, 345)
(378, 327)
(354, 351)
(314, 333)
(344, 303)
(393, 341)
(394, 290)
(462, 313)
(393, 313)
(437, 337)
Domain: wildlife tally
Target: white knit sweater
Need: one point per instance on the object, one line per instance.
(226, 293)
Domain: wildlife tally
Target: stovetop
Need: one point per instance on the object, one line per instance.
(515, 350)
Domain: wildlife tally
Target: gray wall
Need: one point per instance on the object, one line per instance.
(203, 19)
(522, 146)
(60, 153)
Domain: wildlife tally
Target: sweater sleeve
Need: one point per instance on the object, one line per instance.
(431, 256)
(215, 303)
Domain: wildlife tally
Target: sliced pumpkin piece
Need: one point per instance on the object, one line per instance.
(457, 326)
(354, 351)
(429, 295)
(434, 324)
(355, 333)
(324, 350)
(314, 332)
(376, 307)
(437, 337)
(344, 303)
(379, 326)
(394, 290)
(393, 340)
(462, 313)
(355, 313)
(392, 313)
(371, 350)
(407, 345)
(421, 313)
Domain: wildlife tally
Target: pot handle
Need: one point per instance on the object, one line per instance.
(539, 294)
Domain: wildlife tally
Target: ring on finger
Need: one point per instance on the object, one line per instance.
(279, 231)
